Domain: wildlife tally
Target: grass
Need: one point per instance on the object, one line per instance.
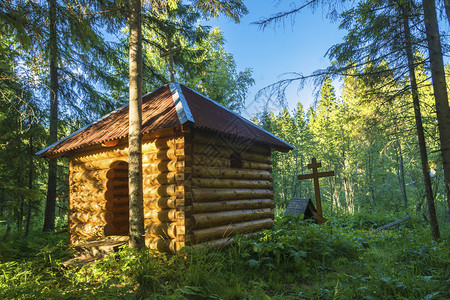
(343, 259)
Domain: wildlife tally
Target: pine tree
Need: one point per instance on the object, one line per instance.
(135, 122)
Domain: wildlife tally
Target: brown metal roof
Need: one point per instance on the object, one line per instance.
(169, 106)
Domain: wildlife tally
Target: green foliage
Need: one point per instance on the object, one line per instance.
(368, 139)
(342, 259)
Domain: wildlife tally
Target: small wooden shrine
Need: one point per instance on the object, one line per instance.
(207, 173)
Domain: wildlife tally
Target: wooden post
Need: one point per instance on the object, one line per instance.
(314, 165)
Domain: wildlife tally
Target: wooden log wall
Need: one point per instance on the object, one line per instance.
(99, 190)
(225, 195)
(92, 182)
(163, 179)
(194, 193)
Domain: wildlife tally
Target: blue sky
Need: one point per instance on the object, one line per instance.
(298, 47)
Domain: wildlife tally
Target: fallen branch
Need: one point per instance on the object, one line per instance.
(392, 224)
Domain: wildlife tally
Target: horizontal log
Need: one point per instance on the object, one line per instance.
(87, 231)
(92, 175)
(161, 143)
(229, 230)
(230, 183)
(199, 207)
(246, 164)
(99, 155)
(233, 216)
(211, 160)
(160, 167)
(152, 145)
(225, 162)
(160, 191)
(163, 230)
(164, 215)
(98, 185)
(161, 155)
(162, 178)
(230, 173)
(160, 202)
(91, 196)
(91, 206)
(213, 151)
(208, 139)
(159, 244)
(94, 165)
(205, 194)
(157, 229)
(88, 217)
(87, 186)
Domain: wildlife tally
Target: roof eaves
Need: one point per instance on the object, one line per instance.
(79, 130)
(242, 118)
(87, 126)
(181, 105)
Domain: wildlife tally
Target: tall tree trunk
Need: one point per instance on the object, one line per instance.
(30, 184)
(50, 204)
(370, 178)
(19, 215)
(420, 131)
(135, 122)
(440, 88)
(401, 174)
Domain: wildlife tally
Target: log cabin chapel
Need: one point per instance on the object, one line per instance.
(207, 173)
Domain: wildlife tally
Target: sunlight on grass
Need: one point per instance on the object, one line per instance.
(343, 259)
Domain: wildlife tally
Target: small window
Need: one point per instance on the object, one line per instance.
(235, 160)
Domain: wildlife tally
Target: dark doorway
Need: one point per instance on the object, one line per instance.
(117, 212)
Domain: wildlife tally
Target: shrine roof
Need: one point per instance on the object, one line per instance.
(169, 106)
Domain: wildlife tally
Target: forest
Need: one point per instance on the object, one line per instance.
(380, 121)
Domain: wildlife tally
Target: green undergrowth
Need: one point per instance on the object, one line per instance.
(342, 259)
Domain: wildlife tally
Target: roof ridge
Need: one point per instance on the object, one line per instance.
(181, 105)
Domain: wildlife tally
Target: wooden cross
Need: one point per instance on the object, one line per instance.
(316, 175)
(170, 53)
